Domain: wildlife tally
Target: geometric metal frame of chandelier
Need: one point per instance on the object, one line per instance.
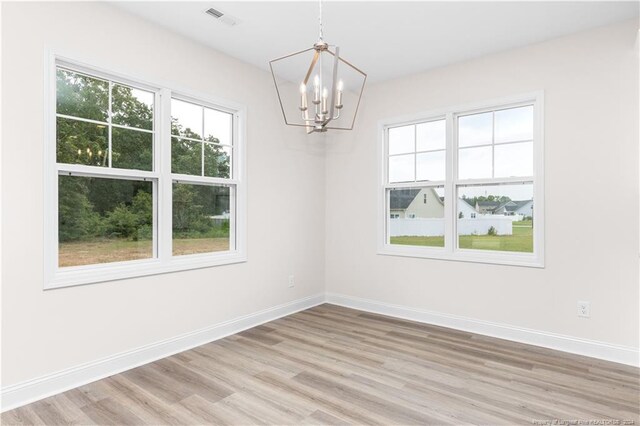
(325, 110)
(313, 124)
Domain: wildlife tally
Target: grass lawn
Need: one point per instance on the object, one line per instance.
(199, 245)
(520, 241)
(111, 250)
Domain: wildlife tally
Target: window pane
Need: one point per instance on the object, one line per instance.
(217, 126)
(514, 159)
(201, 215)
(132, 149)
(476, 129)
(81, 96)
(132, 107)
(430, 166)
(402, 140)
(514, 124)
(402, 168)
(496, 217)
(416, 216)
(474, 163)
(79, 142)
(217, 160)
(186, 119)
(186, 157)
(103, 220)
(432, 135)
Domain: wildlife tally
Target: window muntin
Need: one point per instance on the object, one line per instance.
(496, 144)
(416, 152)
(492, 149)
(194, 154)
(106, 134)
(91, 111)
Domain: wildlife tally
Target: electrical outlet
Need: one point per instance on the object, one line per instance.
(292, 281)
(584, 309)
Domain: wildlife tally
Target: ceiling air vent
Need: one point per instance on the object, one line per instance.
(222, 17)
(215, 13)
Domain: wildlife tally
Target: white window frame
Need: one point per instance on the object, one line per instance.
(163, 260)
(450, 251)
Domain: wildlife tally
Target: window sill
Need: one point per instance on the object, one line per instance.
(81, 275)
(464, 255)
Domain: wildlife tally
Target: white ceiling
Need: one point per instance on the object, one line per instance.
(385, 39)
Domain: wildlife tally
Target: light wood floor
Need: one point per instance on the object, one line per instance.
(332, 365)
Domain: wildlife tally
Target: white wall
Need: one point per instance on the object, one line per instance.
(46, 331)
(590, 81)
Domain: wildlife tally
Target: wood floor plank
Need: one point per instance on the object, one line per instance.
(331, 365)
(144, 404)
(109, 412)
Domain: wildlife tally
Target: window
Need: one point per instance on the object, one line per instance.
(474, 169)
(202, 146)
(130, 192)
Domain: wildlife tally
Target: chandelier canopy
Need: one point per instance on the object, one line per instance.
(318, 89)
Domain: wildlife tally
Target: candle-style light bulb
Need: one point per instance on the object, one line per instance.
(303, 97)
(316, 89)
(325, 95)
(339, 94)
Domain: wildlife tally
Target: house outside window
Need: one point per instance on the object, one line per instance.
(483, 166)
(123, 198)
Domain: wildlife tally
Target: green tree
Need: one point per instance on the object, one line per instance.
(185, 212)
(142, 207)
(76, 217)
(122, 222)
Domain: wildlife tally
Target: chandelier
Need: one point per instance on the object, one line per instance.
(318, 89)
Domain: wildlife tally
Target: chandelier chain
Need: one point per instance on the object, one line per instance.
(320, 18)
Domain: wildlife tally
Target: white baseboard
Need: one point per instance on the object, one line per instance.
(591, 348)
(26, 392)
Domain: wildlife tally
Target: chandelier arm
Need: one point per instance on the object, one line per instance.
(314, 61)
(336, 59)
